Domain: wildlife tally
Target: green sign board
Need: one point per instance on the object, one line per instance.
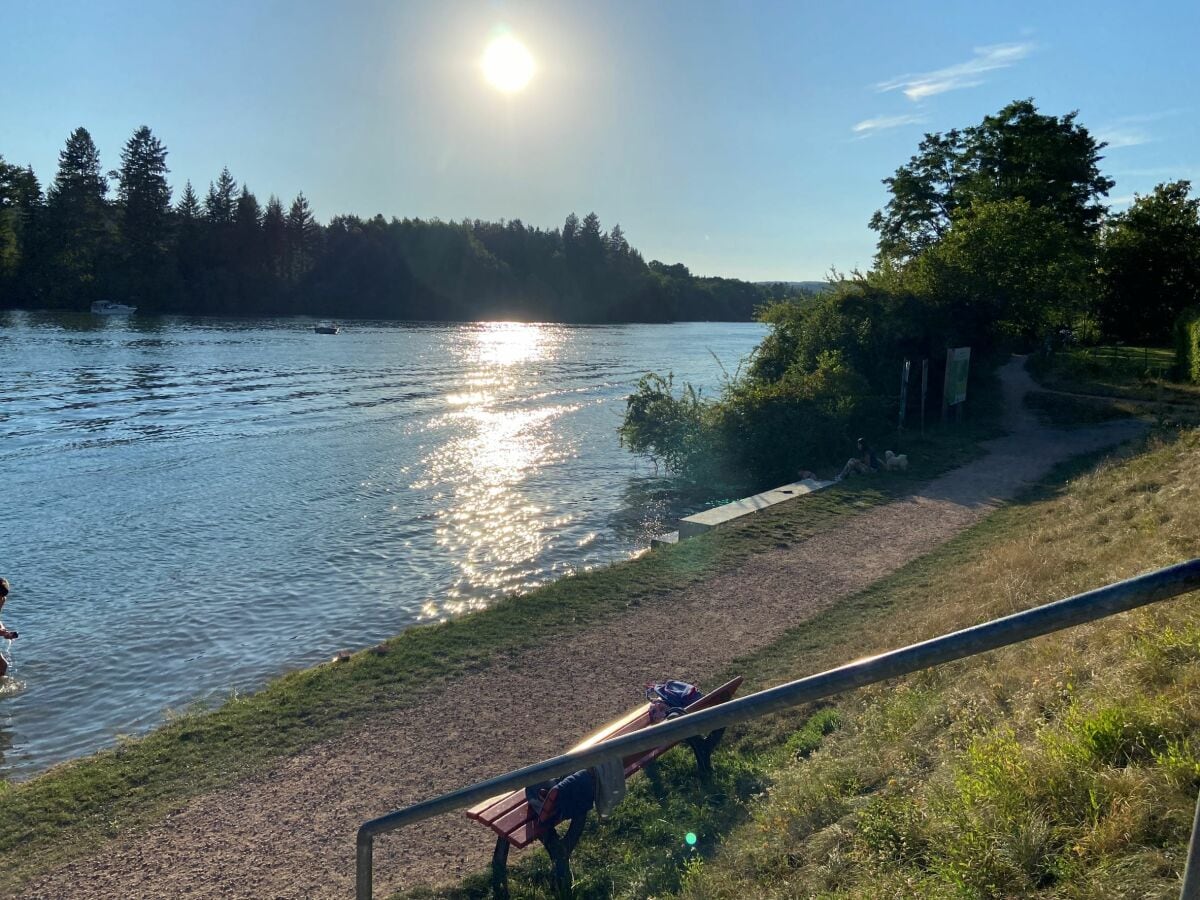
(958, 362)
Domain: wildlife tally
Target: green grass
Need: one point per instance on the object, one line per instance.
(1063, 767)
(1113, 366)
(1131, 361)
(1118, 362)
(75, 808)
(1131, 380)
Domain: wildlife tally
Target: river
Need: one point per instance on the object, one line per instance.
(192, 506)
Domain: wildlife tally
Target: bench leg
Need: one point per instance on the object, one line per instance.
(560, 854)
(655, 778)
(703, 748)
(500, 870)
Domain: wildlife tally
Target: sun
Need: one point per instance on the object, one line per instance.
(507, 65)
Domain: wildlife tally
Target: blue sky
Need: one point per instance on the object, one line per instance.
(741, 139)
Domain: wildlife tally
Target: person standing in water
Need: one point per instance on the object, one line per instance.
(4, 632)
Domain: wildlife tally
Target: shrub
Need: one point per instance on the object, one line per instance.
(824, 375)
(1187, 346)
(672, 429)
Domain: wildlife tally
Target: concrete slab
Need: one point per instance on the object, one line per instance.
(659, 540)
(719, 515)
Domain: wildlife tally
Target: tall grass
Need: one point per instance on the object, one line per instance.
(1065, 767)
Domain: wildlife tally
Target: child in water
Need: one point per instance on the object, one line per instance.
(4, 632)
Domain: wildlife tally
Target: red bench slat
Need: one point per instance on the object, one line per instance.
(512, 818)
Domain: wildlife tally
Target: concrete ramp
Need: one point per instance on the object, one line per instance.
(719, 515)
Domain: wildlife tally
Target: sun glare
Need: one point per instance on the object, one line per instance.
(506, 64)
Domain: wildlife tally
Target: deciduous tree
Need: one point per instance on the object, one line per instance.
(1052, 162)
(1150, 264)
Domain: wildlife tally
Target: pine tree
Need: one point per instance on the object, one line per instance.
(247, 226)
(274, 230)
(22, 234)
(570, 229)
(220, 201)
(79, 182)
(617, 245)
(79, 230)
(144, 202)
(591, 238)
(10, 244)
(28, 191)
(188, 209)
(189, 245)
(246, 214)
(302, 233)
(144, 195)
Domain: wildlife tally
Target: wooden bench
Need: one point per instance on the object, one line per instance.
(516, 823)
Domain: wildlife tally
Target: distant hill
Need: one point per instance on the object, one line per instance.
(812, 287)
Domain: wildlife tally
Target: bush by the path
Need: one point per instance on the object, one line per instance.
(1187, 346)
(827, 373)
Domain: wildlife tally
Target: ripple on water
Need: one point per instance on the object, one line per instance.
(195, 506)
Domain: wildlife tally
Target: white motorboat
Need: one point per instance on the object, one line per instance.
(327, 328)
(108, 308)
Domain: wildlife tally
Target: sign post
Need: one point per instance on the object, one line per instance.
(924, 391)
(958, 364)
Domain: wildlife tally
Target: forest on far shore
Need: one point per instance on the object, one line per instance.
(228, 254)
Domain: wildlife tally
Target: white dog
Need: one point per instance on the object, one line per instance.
(895, 462)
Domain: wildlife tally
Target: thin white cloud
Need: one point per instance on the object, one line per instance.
(1123, 137)
(1170, 173)
(867, 127)
(1148, 117)
(1123, 201)
(961, 75)
(1126, 131)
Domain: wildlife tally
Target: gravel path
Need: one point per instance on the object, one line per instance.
(290, 833)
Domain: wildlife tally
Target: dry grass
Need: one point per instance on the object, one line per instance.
(1064, 767)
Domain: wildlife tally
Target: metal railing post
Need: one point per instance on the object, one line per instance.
(1041, 620)
(364, 870)
(1191, 871)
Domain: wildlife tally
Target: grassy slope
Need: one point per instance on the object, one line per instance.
(76, 807)
(1066, 767)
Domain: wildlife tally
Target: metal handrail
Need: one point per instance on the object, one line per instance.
(1087, 607)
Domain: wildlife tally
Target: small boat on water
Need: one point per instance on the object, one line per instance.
(109, 308)
(327, 328)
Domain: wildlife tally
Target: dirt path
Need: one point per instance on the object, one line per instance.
(290, 833)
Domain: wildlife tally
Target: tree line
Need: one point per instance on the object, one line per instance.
(995, 236)
(229, 254)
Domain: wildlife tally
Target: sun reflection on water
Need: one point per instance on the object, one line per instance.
(505, 343)
(500, 439)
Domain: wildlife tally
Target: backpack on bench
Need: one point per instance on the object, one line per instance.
(670, 698)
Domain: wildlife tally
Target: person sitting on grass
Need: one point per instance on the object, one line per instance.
(4, 632)
(865, 462)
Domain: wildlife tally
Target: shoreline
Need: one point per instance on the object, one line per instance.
(123, 788)
(309, 318)
(359, 778)
(263, 481)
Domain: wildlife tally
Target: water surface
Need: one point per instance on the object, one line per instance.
(193, 506)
